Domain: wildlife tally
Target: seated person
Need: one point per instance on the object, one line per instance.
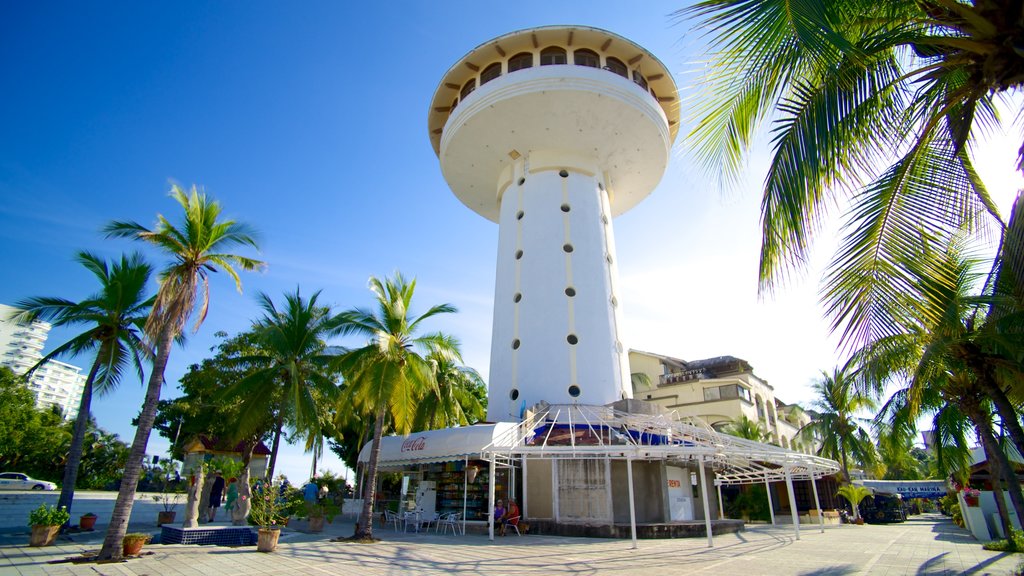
(511, 517)
(499, 512)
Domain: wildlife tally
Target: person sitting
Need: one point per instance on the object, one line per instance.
(499, 512)
(511, 516)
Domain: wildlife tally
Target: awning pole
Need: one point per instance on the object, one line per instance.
(721, 508)
(792, 503)
(632, 506)
(465, 493)
(490, 499)
(817, 504)
(771, 505)
(707, 506)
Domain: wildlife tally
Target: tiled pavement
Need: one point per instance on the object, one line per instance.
(924, 545)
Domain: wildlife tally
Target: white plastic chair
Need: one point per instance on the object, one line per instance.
(514, 523)
(392, 518)
(451, 520)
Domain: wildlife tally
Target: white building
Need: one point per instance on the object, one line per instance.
(55, 383)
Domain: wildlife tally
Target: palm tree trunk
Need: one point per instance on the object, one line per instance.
(129, 482)
(1007, 413)
(997, 457)
(278, 426)
(244, 502)
(364, 527)
(846, 470)
(997, 492)
(74, 461)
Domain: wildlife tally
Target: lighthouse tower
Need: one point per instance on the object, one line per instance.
(551, 132)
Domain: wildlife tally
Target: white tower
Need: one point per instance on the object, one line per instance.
(551, 132)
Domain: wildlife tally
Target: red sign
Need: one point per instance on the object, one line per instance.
(674, 484)
(414, 444)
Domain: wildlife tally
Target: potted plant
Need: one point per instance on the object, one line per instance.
(87, 521)
(132, 543)
(971, 496)
(319, 511)
(266, 513)
(46, 522)
(168, 500)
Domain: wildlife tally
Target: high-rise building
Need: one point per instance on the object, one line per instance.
(21, 346)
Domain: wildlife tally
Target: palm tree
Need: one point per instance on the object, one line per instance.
(195, 249)
(854, 494)
(387, 378)
(744, 427)
(837, 427)
(114, 317)
(851, 85)
(292, 373)
(460, 398)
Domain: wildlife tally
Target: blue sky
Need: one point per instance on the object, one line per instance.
(308, 121)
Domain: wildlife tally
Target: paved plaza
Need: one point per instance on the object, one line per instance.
(927, 544)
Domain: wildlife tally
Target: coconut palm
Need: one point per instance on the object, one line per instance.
(744, 427)
(873, 102)
(195, 249)
(460, 397)
(387, 378)
(854, 494)
(291, 372)
(836, 426)
(114, 317)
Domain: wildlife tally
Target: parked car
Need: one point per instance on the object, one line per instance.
(19, 481)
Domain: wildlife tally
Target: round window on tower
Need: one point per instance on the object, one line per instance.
(574, 391)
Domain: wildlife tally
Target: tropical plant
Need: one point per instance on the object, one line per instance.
(876, 102)
(48, 516)
(113, 318)
(837, 428)
(460, 398)
(268, 510)
(290, 371)
(387, 378)
(195, 249)
(744, 427)
(854, 494)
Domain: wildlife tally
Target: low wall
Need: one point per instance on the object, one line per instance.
(15, 506)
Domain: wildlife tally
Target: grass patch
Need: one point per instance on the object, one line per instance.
(1015, 543)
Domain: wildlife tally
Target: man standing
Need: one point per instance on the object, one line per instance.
(216, 496)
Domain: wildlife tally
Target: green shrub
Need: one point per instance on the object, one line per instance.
(1015, 543)
(48, 516)
(750, 503)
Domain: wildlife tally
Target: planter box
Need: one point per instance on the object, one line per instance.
(43, 535)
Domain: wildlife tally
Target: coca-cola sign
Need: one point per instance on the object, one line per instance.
(414, 444)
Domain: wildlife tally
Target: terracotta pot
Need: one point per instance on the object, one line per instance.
(132, 547)
(165, 518)
(316, 524)
(43, 535)
(267, 541)
(86, 522)
(971, 500)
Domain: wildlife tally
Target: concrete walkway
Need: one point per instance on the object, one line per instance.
(924, 545)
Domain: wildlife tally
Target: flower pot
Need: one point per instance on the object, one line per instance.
(267, 540)
(859, 521)
(971, 500)
(165, 518)
(43, 535)
(87, 522)
(316, 524)
(132, 547)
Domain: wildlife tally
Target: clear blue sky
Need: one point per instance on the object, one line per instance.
(308, 121)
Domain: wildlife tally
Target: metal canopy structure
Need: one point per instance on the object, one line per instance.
(576, 431)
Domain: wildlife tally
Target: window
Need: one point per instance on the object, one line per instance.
(586, 57)
(490, 73)
(553, 55)
(615, 65)
(712, 394)
(520, 61)
(467, 89)
(639, 79)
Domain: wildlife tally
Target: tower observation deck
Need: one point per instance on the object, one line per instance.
(551, 132)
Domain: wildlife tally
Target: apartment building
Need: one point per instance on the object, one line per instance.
(21, 347)
(719, 391)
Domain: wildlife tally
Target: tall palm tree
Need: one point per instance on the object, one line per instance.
(195, 249)
(460, 396)
(388, 377)
(837, 427)
(292, 373)
(114, 317)
(876, 102)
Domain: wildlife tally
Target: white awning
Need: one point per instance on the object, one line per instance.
(440, 445)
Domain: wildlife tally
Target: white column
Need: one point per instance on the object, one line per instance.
(792, 504)
(721, 507)
(632, 505)
(817, 504)
(771, 505)
(490, 499)
(465, 494)
(707, 506)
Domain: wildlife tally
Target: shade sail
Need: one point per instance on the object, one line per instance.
(440, 445)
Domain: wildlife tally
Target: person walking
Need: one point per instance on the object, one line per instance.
(216, 496)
